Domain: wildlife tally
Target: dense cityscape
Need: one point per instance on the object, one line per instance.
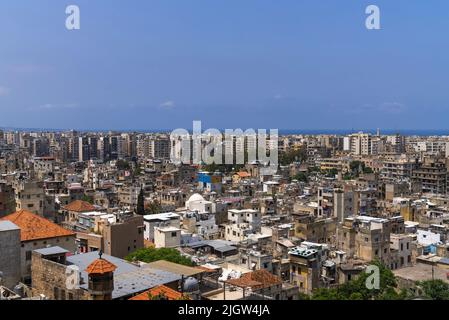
(111, 216)
(218, 159)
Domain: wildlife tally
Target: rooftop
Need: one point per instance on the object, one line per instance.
(169, 293)
(421, 272)
(80, 206)
(174, 268)
(256, 280)
(302, 252)
(8, 226)
(51, 251)
(34, 227)
(129, 279)
(100, 266)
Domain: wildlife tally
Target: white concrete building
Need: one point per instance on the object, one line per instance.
(152, 221)
(167, 237)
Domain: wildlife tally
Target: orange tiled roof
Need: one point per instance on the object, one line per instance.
(256, 280)
(100, 266)
(243, 174)
(79, 206)
(166, 291)
(34, 227)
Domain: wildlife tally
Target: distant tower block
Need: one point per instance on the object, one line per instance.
(378, 132)
(101, 279)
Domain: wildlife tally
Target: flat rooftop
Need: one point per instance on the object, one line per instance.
(8, 226)
(129, 279)
(421, 272)
(174, 268)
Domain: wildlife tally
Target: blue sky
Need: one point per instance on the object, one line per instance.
(287, 64)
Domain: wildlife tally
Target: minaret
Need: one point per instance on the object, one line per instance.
(101, 279)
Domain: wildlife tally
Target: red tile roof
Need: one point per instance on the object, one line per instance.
(34, 227)
(257, 279)
(243, 174)
(100, 266)
(160, 290)
(79, 206)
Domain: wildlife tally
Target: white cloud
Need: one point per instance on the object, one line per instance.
(4, 91)
(168, 104)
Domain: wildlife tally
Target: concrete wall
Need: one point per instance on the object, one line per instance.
(68, 243)
(121, 239)
(163, 238)
(10, 256)
(50, 278)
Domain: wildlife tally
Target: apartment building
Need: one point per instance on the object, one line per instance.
(365, 238)
(431, 176)
(30, 196)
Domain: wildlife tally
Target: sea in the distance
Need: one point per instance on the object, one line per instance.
(342, 132)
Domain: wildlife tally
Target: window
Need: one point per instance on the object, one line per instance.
(56, 293)
(28, 255)
(173, 234)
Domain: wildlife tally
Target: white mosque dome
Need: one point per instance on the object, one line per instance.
(195, 197)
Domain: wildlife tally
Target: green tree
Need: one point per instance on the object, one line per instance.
(330, 173)
(286, 158)
(87, 198)
(301, 176)
(435, 289)
(357, 290)
(153, 208)
(137, 171)
(367, 170)
(123, 165)
(152, 254)
(356, 296)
